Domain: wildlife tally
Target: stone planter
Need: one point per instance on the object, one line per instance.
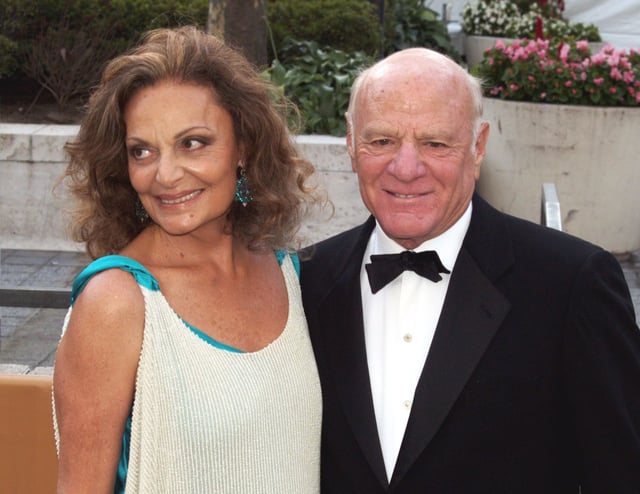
(590, 153)
(596, 46)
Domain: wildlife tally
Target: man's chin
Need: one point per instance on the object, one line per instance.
(409, 236)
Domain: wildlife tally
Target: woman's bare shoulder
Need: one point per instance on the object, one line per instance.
(110, 292)
(109, 311)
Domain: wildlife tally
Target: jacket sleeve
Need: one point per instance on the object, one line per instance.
(602, 369)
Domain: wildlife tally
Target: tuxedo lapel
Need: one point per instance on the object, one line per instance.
(340, 316)
(472, 312)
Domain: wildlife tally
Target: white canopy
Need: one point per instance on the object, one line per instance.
(618, 20)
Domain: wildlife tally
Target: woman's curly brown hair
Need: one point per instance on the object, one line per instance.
(105, 217)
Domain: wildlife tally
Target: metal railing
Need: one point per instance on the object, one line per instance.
(550, 211)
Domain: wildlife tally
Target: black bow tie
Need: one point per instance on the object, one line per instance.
(385, 268)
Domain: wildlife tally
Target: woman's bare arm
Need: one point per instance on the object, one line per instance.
(94, 381)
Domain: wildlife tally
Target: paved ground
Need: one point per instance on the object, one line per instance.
(29, 337)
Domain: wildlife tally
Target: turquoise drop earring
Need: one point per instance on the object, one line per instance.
(242, 194)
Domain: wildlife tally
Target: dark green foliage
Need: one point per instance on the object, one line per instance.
(317, 71)
(318, 80)
(53, 38)
(50, 40)
(8, 62)
(347, 25)
(416, 25)
(24, 20)
(133, 17)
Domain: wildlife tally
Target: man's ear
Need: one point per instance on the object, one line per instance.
(480, 147)
(350, 140)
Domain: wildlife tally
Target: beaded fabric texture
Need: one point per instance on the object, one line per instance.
(209, 420)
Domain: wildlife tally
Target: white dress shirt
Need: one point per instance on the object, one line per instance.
(399, 323)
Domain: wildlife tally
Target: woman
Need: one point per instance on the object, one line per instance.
(185, 363)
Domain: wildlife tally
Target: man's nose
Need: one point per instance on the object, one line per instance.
(169, 170)
(407, 164)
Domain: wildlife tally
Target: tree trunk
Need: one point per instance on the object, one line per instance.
(243, 25)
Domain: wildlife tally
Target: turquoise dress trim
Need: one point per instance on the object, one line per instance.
(144, 278)
(140, 273)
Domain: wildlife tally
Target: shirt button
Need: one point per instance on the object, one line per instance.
(408, 337)
(407, 404)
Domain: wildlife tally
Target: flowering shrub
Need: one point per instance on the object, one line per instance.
(564, 72)
(488, 18)
(523, 19)
(537, 24)
(550, 9)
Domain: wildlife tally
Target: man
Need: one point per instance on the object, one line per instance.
(514, 369)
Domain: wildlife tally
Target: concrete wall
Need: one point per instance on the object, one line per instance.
(32, 212)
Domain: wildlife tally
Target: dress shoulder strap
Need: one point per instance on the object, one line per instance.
(280, 254)
(140, 273)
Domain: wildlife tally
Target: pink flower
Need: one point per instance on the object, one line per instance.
(564, 51)
(582, 45)
(514, 87)
(543, 44)
(519, 54)
(568, 84)
(613, 90)
(543, 95)
(598, 81)
(625, 63)
(616, 75)
(628, 76)
(614, 59)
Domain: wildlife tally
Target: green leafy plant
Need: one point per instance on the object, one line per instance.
(561, 72)
(318, 80)
(417, 25)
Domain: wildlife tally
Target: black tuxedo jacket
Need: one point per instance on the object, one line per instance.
(531, 385)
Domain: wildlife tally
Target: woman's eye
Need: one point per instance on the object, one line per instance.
(193, 143)
(139, 153)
